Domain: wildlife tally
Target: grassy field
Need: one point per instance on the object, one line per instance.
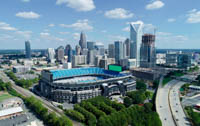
(4, 96)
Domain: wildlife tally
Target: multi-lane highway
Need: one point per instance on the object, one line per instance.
(168, 104)
(176, 107)
(162, 104)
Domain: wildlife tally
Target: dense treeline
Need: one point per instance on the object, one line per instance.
(138, 97)
(90, 119)
(91, 108)
(51, 119)
(134, 116)
(22, 82)
(195, 117)
(101, 111)
(75, 115)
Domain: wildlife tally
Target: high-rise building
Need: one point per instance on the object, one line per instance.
(60, 53)
(90, 57)
(148, 51)
(78, 50)
(82, 41)
(111, 51)
(51, 55)
(100, 48)
(136, 31)
(28, 49)
(68, 52)
(78, 60)
(118, 51)
(90, 45)
(128, 47)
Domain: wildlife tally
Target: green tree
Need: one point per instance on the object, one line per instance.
(128, 101)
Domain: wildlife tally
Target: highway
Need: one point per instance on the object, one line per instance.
(175, 104)
(162, 104)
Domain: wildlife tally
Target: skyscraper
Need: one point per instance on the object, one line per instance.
(60, 54)
(51, 55)
(68, 52)
(90, 45)
(136, 31)
(111, 51)
(118, 51)
(78, 50)
(148, 51)
(128, 47)
(28, 49)
(82, 41)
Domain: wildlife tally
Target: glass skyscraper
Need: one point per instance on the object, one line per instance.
(136, 31)
(118, 51)
(28, 49)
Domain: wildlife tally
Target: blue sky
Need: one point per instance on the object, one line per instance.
(51, 23)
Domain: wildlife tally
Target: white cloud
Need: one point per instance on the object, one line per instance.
(80, 25)
(117, 38)
(46, 36)
(155, 5)
(118, 13)
(51, 25)
(171, 20)
(63, 33)
(26, 1)
(79, 5)
(6, 27)
(28, 15)
(25, 34)
(193, 16)
(126, 29)
(42, 34)
(76, 36)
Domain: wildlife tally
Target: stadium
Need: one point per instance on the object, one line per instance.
(75, 85)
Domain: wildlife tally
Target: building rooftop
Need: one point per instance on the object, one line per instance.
(10, 111)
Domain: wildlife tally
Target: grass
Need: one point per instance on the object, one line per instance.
(5, 96)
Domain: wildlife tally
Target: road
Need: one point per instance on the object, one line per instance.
(175, 104)
(162, 104)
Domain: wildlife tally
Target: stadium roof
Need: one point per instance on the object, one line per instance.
(83, 71)
(10, 111)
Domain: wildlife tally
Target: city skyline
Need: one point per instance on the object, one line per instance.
(49, 24)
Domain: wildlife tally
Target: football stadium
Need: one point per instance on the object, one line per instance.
(75, 85)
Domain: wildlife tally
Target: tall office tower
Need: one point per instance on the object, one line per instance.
(90, 57)
(100, 48)
(78, 50)
(111, 51)
(124, 50)
(60, 53)
(68, 52)
(78, 60)
(118, 51)
(128, 47)
(148, 51)
(90, 45)
(28, 49)
(51, 55)
(136, 29)
(82, 41)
